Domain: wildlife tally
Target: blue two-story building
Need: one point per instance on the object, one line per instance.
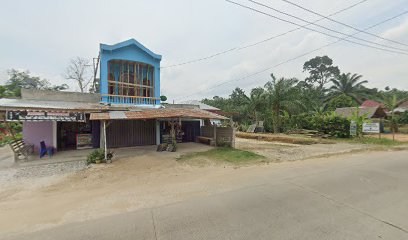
(126, 112)
(129, 74)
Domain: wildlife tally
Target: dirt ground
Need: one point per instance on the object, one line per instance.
(145, 180)
(398, 136)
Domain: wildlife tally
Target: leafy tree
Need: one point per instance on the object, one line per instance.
(282, 95)
(256, 102)
(238, 98)
(321, 71)
(339, 102)
(218, 102)
(2, 91)
(248, 106)
(22, 79)
(400, 94)
(349, 85)
(311, 96)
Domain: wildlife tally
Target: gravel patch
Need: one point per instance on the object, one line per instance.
(294, 152)
(40, 171)
(50, 169)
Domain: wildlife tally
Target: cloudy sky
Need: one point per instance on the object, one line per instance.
(42, 36)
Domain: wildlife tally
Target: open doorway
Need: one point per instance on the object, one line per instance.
(78, 135)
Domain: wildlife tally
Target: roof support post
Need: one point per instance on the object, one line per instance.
(104, 141)
(215, 134)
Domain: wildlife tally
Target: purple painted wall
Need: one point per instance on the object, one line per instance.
(35, 132)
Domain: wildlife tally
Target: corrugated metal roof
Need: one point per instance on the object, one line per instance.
(401, 110)
(371, 103)
(200, 104)
(404, 105)
(157, 114)
(33, 104)
(369, 112)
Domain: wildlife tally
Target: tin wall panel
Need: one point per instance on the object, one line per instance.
(130, 133)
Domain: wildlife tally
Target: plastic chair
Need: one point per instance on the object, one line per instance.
(45, 150)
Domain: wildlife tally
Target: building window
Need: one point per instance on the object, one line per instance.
(130, 79)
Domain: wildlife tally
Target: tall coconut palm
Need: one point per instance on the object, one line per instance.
(282, 95)
(349, 85)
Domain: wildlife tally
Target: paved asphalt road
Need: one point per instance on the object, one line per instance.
(345, 198)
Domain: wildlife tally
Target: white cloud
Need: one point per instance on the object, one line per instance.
(44, 40)
(399, 32)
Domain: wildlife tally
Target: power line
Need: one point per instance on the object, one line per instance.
(292, 59)
(399, 50)
(262, 41)
(341, 23)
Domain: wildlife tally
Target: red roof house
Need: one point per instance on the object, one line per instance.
(371, 103)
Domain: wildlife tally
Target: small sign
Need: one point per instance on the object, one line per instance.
(371, 127)
(353, 128)
(84, 141)
(45, 116)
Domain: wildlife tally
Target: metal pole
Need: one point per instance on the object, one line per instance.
(104, 141)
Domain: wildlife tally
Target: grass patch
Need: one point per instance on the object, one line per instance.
(374, 141)
(223, 155)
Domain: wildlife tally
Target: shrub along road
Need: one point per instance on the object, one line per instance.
(359, 196)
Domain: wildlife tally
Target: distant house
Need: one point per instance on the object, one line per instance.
(369, 112)
(371, 103)
(201, 105)
(403, 107)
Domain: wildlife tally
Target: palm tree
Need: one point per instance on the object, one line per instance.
(282, 95)
(349, 85)
(391, 103)
(255, 102)
(248, 105)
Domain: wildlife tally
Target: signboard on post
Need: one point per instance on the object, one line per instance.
(371, 127)
(353, 128)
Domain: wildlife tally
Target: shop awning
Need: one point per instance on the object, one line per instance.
(159, 113)
(38, 116)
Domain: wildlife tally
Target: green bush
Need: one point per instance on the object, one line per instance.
(334, 125)
(403, 118)
(340, 102)
(163, 98)
(329, 123)
(5, 136)
(98, 154)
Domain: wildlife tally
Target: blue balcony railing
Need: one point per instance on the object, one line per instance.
(133, 100)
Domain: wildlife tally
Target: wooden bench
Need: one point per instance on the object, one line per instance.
(206, 140)
(21, 149)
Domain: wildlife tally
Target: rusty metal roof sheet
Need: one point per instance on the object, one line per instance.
(158, 113)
